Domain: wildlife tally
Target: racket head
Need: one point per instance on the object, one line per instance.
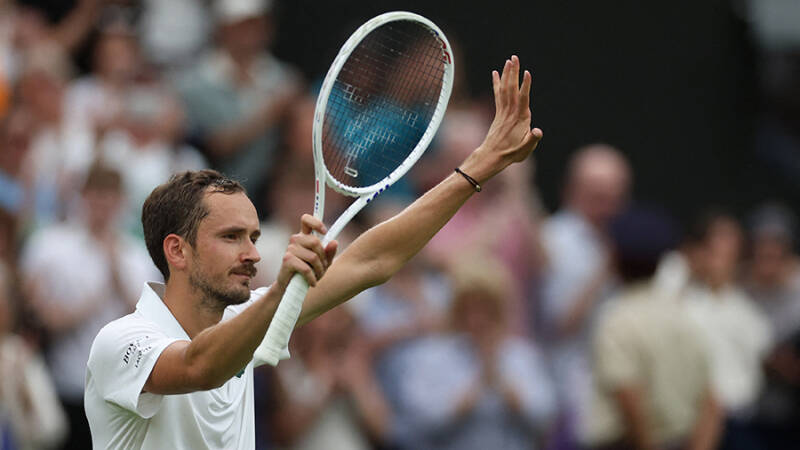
(381, 102)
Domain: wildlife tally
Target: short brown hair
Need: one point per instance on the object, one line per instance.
(177, 207)
(103, 178)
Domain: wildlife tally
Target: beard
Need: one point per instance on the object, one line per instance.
(216, 293)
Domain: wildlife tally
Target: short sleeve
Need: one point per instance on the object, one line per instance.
(122, 357)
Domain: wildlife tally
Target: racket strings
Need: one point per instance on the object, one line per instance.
(382, 102)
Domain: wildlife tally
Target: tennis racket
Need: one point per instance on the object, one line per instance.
(379, 107)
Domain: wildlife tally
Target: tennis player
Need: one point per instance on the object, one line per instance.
(178, 372)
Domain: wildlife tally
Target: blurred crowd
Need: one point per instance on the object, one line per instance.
(603, 324)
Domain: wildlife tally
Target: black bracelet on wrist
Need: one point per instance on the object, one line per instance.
(471, 180)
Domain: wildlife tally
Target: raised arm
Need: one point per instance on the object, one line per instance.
(381, 251)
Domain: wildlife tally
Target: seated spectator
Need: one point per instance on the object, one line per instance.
(30, 414)
(77, 277)
(327, 396)
(16, 133)
(477, 386)
(238, 94)
(773, 280)
(736, 332)
(137, 147)
(61, 149)
(651, 372)
(96, 99)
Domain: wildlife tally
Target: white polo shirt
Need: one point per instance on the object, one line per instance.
(121, 416)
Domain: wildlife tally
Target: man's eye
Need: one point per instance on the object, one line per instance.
(230, 237)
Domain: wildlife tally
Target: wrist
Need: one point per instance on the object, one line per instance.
(481, 165)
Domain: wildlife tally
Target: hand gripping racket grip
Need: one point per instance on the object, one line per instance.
(283, 322)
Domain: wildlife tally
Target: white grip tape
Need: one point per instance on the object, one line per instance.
(284, 320)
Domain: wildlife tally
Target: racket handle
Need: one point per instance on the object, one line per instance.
(283, 322)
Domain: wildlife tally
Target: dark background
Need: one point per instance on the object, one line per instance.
(672, 84)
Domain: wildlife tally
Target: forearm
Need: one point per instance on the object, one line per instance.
(707, 428)
(372, 407)
(77, 25)
(226, 348)
(221, 351)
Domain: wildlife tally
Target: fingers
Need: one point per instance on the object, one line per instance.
(309, 248)
(506, 86)
(502, 94)
(309, 223)
(305, 254)
(293, 264)
(513, 77)
(311, 259)
(525, 92)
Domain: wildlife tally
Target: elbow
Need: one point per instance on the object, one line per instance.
(381, 270)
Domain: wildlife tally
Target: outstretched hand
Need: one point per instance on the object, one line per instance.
(510, 138)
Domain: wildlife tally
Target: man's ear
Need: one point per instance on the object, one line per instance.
(176, 251)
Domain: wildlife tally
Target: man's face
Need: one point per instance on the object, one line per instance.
(102, 205)
(224, 255)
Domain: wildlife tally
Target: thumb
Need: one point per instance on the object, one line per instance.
(528, 144)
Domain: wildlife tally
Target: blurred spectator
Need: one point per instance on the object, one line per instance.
(26, 27)
(30, 414)
(478, 386)
(773, 280)
(578, 276)
(15, 136)
(239, 93)
(776, 39)
(78, 277)
(173, 31)
(16, 133)
(652, 375)
(297, 132)
(61, 148)
(141, 151)
(737, 334)
(328, 397)
(96, 100)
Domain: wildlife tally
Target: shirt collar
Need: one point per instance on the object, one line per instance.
(152, 307)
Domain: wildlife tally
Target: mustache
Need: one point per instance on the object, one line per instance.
(246, 269)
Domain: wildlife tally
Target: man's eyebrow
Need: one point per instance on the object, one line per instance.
(240, 230)
(233, 229)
